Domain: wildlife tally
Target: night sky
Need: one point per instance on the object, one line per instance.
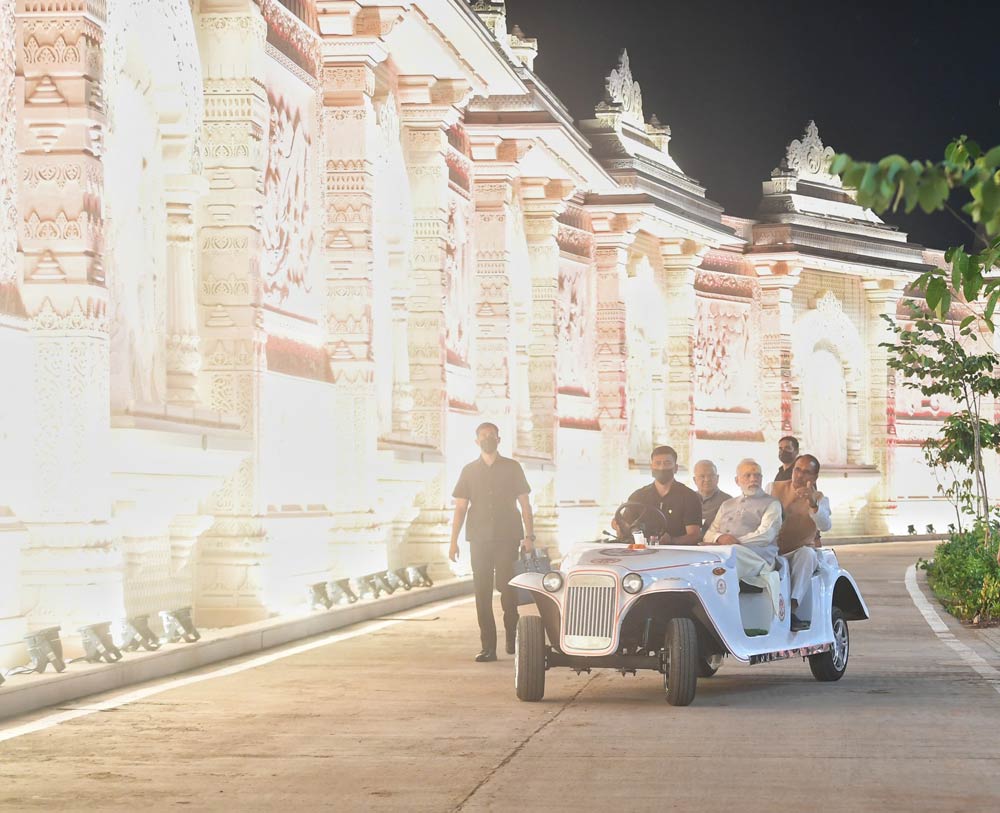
(737, 81)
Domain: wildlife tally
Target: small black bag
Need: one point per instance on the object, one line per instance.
(535, 562)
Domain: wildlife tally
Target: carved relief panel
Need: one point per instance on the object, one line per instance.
(289, 217)
(576, 326)
(725, 355)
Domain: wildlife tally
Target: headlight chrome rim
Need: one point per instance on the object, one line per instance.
(552, 581)
(632, 583)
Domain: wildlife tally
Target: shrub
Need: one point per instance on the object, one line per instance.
(965, 576)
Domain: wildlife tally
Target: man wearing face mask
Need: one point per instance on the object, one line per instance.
(489, 490)
(678, 503)
(788, 450)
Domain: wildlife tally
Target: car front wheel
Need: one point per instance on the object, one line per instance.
(529, 659)
(681, 677)
(831, 665)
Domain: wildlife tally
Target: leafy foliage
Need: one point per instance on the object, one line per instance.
(894, 180)
(965, 576)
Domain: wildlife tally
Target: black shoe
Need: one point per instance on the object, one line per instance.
(798, 624)
(509, 644)
(486, 656)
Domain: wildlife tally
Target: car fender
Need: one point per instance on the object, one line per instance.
(847, 597)
(529, 581)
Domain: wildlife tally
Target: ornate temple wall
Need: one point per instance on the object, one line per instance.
(265, 266)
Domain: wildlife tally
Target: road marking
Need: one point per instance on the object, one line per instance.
(52, 720)
(934, 621)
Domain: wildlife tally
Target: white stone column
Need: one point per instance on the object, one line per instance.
(675, 278)
(777, 282)
(612, 272)
(72, 570)
(183, 354)
(232, 555)
(881, 297)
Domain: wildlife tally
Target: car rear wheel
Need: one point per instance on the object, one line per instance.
(681, 677)
(831, 665)
(708, 665)
(529, 659)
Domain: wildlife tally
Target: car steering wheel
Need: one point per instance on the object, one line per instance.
(645, 512)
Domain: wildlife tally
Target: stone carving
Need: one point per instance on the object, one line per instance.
(8, 154)
(459, 289)
(623, 93)
(128, 24)
(575, 329)
(809, 159)
(57, 53)
(724, 355)
(287, 230)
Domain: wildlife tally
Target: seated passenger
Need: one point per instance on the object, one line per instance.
(807, 512)
(679, 504)
(706, 478)
(750, 521)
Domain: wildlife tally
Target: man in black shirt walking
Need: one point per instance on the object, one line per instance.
(679, 504)
(489, 491)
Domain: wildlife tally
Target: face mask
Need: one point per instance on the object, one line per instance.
(787, 457)
(663, 475)
(489, 445)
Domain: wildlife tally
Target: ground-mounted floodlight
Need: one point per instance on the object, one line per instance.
(178, 626)
(135, 632)
(318, 595)
(97, 643)
(342, 591)
(386, 582)
(419, 576)
(404, 578)
(44, 647)
(369, 586)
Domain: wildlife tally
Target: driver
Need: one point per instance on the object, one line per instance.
(679, 504)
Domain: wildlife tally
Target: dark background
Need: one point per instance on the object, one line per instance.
(736, 81)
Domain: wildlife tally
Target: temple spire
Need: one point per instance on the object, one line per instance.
(808, 159)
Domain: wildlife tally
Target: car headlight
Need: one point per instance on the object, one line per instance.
(552, 581)
(632, 583)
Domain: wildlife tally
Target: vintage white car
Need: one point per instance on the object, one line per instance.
(678, 610)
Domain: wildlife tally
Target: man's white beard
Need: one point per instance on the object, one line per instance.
(753, 491)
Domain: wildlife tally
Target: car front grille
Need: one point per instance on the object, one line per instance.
(591, 605)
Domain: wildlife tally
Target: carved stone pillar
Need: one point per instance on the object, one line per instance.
(544, 201)
(349, 130)
(428, 109)
(232, 553)
(426, 146)
(183, 355)
(881, 297)
(72, 566)
(777, 282)
(495, 348)
(675, 278)
(612, 272)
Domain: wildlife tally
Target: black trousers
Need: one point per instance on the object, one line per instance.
(492, 568)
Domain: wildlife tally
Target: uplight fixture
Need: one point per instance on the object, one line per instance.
(178, 626)
(44, 647)
(97, 643)
(342, 587)
(419, 576)
(318, 595)
(135, 632)
(404, 578)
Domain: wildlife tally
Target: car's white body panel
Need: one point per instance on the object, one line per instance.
(707, 574)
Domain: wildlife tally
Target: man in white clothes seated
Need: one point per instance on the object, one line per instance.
(806, 513)
(752, 522)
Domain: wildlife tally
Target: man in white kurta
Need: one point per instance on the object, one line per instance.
(751, 522)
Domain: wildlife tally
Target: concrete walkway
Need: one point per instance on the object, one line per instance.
(398, 717)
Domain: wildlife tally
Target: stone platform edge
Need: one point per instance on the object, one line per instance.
(23, 694)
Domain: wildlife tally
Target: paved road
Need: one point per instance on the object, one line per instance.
(402, 719)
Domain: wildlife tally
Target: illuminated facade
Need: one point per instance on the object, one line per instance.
(265, 265)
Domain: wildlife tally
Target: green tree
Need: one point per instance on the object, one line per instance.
(934, 354)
